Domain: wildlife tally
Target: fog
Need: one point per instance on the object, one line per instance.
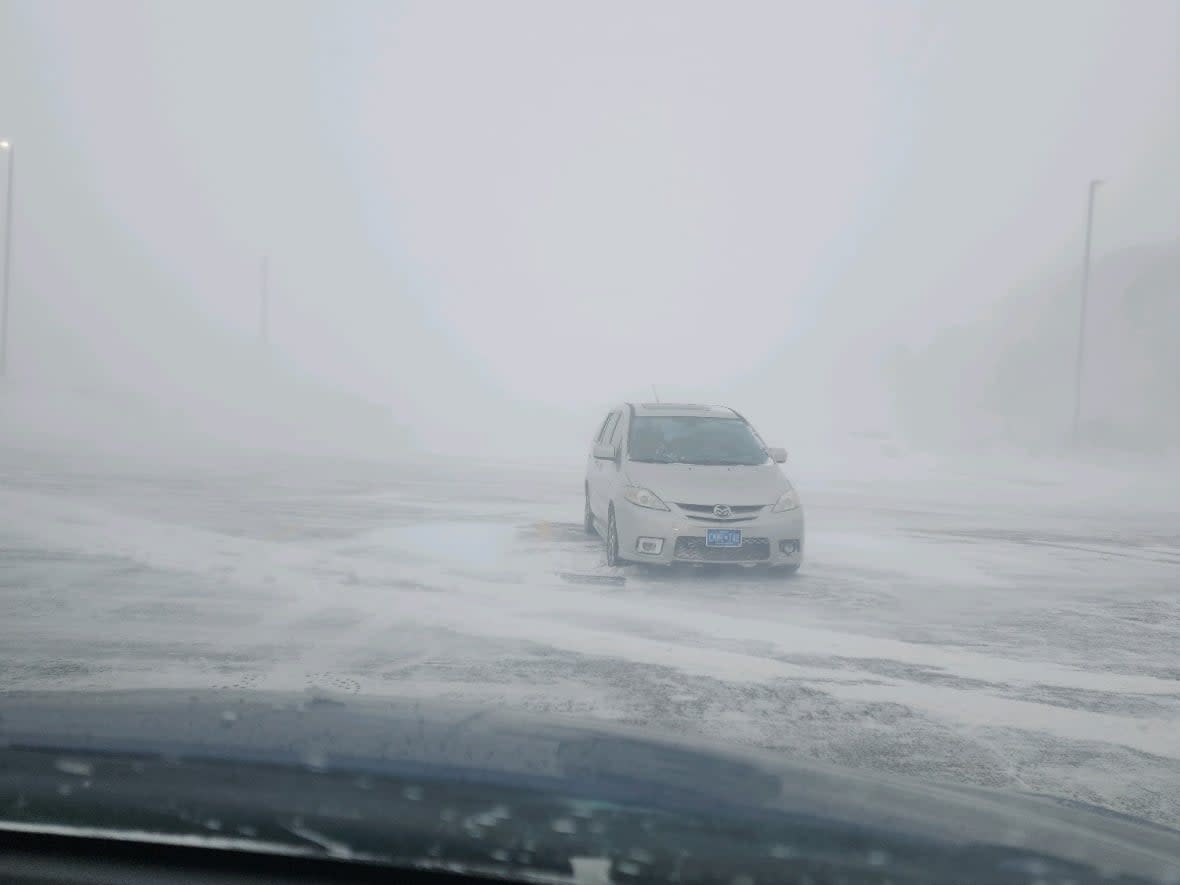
(485, 223)
(315, 307)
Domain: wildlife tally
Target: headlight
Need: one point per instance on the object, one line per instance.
(789, 500)
(641, 497)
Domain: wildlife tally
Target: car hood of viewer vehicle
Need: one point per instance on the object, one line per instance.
(167, 753)
(706, 484)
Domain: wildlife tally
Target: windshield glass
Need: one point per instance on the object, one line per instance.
(694, 440)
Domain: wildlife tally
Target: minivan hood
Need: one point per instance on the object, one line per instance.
(701, 484)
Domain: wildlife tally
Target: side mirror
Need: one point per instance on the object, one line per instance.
(779, 456)
(605, 452)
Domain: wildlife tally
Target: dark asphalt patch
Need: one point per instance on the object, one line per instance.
(611, 580)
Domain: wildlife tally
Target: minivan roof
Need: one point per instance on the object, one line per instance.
(683, 409)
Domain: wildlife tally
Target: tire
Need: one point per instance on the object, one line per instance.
(612, 540)
(588, 517)
(783, 571)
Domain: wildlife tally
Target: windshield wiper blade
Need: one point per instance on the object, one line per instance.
(716, 463)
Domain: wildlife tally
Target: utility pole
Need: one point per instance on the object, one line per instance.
(8, 150)
(1081, 355)
(264, 302)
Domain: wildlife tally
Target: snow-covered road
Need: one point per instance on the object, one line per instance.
(1005, 631)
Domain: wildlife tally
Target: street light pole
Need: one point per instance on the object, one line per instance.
(1081, 355)
(264, 302)
(7, 149)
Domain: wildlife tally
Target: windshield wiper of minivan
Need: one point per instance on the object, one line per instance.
(717, 462)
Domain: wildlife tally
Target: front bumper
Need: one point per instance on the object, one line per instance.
(764, 537)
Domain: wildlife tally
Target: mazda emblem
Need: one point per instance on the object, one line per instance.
(722, 511)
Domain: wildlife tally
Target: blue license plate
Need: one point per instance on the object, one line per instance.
(723, 537)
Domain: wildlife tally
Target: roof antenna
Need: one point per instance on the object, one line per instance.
(655, 392)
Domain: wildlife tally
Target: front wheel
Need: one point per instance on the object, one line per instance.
(612, 540)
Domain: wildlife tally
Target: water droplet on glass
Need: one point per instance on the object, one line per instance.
(248, 832)
(64, 789)
(501, 855)
(639, 855)
(213, 824)
(627, 868)
(742, 880)
(414, 794)
(316, 760)
(229, 717)
(1033, 867)
(781, 851)
(878, 858)
(74, 766)
(591, 869)
(565, 825)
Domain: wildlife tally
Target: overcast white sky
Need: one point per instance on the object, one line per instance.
(560, 203)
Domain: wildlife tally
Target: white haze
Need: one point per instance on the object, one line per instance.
(859, 223)
(487, 222)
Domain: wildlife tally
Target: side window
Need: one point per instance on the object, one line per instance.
(616, 438)
(602, 427)
(609, 427)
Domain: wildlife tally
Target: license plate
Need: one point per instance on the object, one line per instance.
(723, 537)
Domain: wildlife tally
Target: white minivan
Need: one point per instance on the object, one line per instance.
(669, 483)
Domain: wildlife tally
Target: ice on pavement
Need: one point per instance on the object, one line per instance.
(460, 543)
(1028, 645)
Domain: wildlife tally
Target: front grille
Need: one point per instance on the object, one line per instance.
(708, 508)
(741, 512)
(693, 549)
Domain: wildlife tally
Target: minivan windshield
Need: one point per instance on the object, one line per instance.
(691, 439)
